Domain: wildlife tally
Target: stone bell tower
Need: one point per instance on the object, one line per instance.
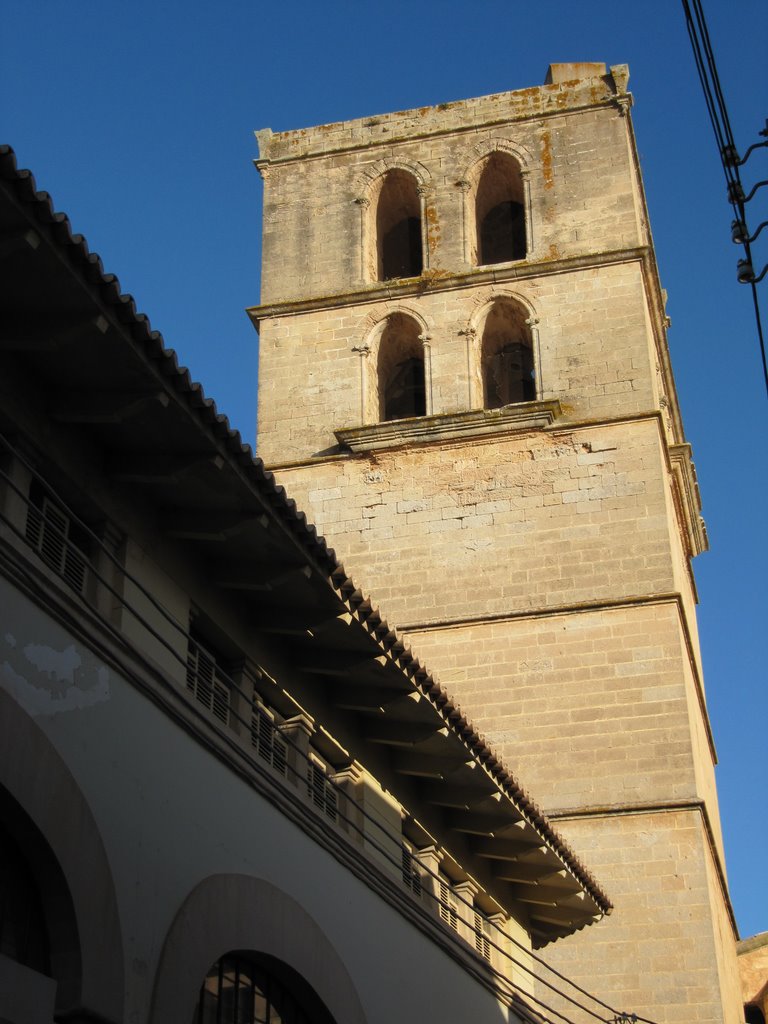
(465, 382)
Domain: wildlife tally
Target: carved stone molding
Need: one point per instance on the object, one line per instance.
(525, 416)
(687, 499)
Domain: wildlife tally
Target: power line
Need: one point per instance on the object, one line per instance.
(729, 155)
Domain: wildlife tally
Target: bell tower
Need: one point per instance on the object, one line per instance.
(464, 381)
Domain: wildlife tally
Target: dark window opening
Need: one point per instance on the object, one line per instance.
(401, 250)
(507, 357)
(398, 227)
(401, 379)
(509, 376)
(404, 393)
(245, 988)
(753, 1014)
(502, 234)
(500, 212)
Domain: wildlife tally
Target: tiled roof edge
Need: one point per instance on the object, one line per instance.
(138, 324)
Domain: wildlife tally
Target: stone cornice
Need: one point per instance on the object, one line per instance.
(534, 104)
(687, 498)
(450, 427)
(437, 281)
(666, 807)
(588, 607)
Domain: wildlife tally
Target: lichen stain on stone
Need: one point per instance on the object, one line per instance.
(546, 159)
(433, 228)
(554, 252)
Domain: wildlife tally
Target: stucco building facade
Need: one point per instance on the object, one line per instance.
(228, 789)
(465, 381)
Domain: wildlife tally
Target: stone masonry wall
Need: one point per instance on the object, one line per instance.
(658, 869)
(542, 574)
(512, 523)
(593, 354)
(581, 199)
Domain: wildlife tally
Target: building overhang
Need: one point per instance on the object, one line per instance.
(101, 373)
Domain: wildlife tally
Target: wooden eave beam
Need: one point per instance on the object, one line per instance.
(255, 576)
(206, 526)
(156, 467)
(399, 733)
(47, 333)
(345, 664)
(104, 406)
(427, 766)
(352, 697)
(477, 824)
(541, 891)
(527, 873)
(454, 794)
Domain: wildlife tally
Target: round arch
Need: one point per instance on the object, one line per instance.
(43, 806)
(371, 175)
(488, 146)
(418, 334)
(239, 912)
(391, 196)
(498, 226)
(489, 297)
(505, 349)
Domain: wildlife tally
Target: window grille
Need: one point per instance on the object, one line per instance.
(49, 532)
(482, 936)
(265, 738)
(207, 682)
(411, 876)
(448, 906)
(320, 790)
(249, 988)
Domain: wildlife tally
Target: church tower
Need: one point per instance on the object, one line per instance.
(464, 381)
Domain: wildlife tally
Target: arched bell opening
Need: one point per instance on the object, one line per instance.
(508, 369)
(401, 378)
(398, 227)
(500, 232)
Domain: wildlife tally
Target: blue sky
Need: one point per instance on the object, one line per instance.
(138, 118)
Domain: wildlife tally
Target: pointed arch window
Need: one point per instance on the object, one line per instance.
(402, 388)
(500, 211)
(398, 227)
(507, 357)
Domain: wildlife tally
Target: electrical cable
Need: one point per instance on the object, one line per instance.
(717, 111)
